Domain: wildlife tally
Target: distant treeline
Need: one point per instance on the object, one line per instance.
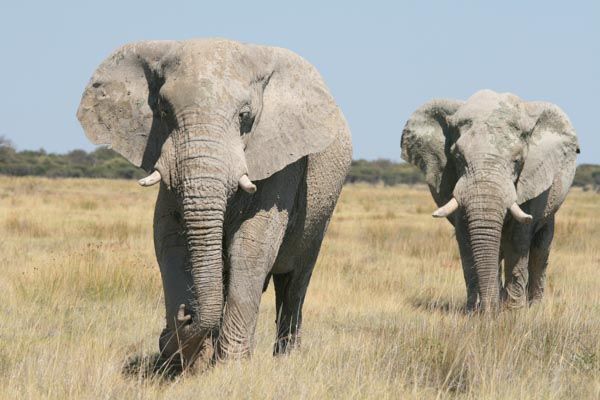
(384, 172)
(392, 173)
(105, 163)
(100, 163)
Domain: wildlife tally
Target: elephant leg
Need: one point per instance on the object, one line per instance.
(252, 253)
(173, 258)
(290, 291)
(538, 261)
(516, 275)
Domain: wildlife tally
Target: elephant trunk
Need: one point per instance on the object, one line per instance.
(205, 181)
(484, 226)
(485, 195)
(203, 213)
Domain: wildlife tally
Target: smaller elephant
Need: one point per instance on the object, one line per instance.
(499, 168)
(250, 151)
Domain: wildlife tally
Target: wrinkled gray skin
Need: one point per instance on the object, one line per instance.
(203, 113)
(489, 152)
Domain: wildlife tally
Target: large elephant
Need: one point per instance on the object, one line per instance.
(499, 168)
(205, 117)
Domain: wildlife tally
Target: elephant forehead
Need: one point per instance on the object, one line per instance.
(219, 59)
(495, 113)
(204, 91)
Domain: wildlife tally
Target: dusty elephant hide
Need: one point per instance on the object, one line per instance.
(251, 152)
(499, 168)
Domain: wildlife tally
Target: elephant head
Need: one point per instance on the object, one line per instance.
(483, 158)
(207, 117)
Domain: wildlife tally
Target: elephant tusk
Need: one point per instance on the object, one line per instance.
(519, 214)
(446, 209)
(151, 179)
(246, 184)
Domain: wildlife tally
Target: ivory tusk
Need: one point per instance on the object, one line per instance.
(246, 184)
(519, 214)
(446, 209)
(151, 179)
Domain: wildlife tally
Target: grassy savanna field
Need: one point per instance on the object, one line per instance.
(80, 294)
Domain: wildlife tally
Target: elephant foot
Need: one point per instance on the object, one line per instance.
(513, 305)
(231, 351)
(489, 307)
(285, 345)
(513, 297)
(535, 300)
(472, 305)
(511, 302)
(472, 309)
(535, 296)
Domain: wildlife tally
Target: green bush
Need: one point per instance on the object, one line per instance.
(100, 163)
(587, 175)
(386, 172)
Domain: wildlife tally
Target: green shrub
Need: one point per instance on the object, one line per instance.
(100, 163)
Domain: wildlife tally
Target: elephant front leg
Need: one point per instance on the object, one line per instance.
(516, 276)
(538, 261)
(252, 252)
(515, 244)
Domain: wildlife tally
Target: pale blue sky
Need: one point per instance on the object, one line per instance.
(381, 59)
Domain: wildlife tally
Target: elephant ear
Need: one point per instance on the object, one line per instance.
(552, 150)
(298, 117)
(116, 108)
(425, 143)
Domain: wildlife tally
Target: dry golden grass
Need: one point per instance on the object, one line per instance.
(80, 294)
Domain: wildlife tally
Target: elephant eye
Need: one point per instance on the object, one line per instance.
(518, 163)
(246, 120)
